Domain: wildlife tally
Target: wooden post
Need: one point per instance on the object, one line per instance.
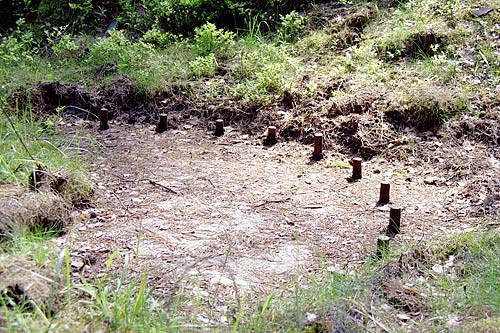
(384, 197)
(356, 167)
(219, 127)
(318, 146)
(103, 118)
(382, 245)
(162, 124)
(394, 221)
(271, 136)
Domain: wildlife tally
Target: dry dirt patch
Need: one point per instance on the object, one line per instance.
(227, 211)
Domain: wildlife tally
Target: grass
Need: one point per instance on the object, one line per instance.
(29, 142)
(465, 295)
(449, 284)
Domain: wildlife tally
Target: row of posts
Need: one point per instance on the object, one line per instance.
(384, 198)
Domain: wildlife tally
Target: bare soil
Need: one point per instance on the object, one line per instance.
(233, 216)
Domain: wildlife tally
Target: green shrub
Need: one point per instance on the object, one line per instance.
(203, 66)
(210, 40)
(291, 27)
(20, 46)
(61, 43)
(265, 72)
(271, 78)
(161, 39)
(117, 48)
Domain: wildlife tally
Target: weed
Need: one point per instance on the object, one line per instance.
(61, 43)
(203, 66)
(28, 142)
(118, 303)
(340, 165)
(254, 25)
(160, 39)
(120, 50)
(267, 71)
(210, 40)
(33, 245)
(19, 48)
(291, 27)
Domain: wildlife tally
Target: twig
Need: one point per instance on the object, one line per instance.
(168, 189)
(362, 311)
(35, 274)
(208, 179)
(128, 180)
(271, 201)
(121, 202)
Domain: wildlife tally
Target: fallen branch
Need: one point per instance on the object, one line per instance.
(271, 201)
(166, 188)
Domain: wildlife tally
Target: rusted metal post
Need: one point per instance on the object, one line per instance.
(384, 198)
(394, 221)
(356, 167)
(219, 127)
(318, 146)
(103, 118)
(382, 245)
(162, 124)
(271, 136)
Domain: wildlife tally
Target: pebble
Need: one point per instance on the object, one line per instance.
(430, 180)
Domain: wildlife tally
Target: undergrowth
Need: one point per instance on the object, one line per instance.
(29, 143)
(399, 52)
(452, 284)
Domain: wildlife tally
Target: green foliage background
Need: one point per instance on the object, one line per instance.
(178, 17)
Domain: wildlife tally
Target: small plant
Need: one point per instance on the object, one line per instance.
(82, 10)
(19, 47)
(210, 40)
(203, 66)
(123, 305)
(291, 27)
(119, 49)
(254, 24)
(271, 79)
(62, 44)
(160, 39)
(341, 165)
(27, 142)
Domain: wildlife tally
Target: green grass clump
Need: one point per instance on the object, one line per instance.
(464, 294)
(28, 142)
(473, 287)
(113, 302)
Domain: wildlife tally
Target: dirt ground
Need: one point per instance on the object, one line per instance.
(230, 215)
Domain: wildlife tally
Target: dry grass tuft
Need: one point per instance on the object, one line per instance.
(21, 209)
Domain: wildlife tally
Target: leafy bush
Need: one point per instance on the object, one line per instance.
(203, 66)
(210, 40)
(120, 50)
(61, 44)
(161, 39)
(271, 78)
(291, 27)
(265, 72)
(19, 47)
